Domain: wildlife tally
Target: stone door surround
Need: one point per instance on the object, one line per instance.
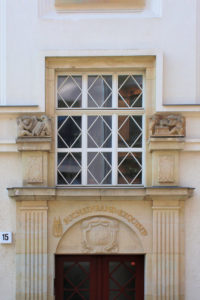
(43, 228)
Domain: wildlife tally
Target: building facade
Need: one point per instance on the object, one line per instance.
(99, 149)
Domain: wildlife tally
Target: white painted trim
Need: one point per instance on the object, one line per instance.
(100, 52)
(2, 52)
(156, 7)
(159, 82)
(8, 145)
(40, 78)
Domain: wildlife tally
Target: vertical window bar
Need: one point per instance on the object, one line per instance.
(115, 91)
(84, 129)
(114, 129)
(114, 146)
(143, 149)
(84, 91)
(56, 142)
(143, 93)
(84, 149)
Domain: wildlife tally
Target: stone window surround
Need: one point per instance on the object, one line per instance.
(55, 66)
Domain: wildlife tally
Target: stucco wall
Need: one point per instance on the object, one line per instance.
(33, 29)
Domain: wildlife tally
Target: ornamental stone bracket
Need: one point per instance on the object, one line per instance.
(170, 125)
(34, 143)
(33, 126)
(166, 140)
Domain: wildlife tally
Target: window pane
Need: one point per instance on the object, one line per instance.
(69, 168)
(99, 167)
(69, 132)
(122, 276)
(100, 91)
(76, 280)
(99, 131)
(69, 91)
(130, 131)
(129, 168)
(130, 91)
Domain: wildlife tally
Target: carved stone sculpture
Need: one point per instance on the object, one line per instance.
(167, 125)
(100, 235)
(32, 126)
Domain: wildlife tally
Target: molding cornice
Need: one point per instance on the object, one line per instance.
(114, 193)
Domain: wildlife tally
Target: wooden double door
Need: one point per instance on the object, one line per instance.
(99, 277)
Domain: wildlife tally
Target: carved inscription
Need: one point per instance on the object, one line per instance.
(110, 209)
(167, 125)
(32, 126)
(57, 227)
(99, 235)
(166, 169)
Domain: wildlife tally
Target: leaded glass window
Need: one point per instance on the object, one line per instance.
(100, 129)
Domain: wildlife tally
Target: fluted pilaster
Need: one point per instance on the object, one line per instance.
(32, 254)
(166, 253)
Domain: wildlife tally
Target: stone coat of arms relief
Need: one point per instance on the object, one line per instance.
(100, 235)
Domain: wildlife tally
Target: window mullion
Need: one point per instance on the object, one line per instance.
(84, 149)
(143, 149)
(84, 130)
(114, 129)
(114, 147)
(56, 143)
(84, 91)
(115, 91)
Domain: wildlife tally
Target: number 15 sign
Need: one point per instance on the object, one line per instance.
(5, 237)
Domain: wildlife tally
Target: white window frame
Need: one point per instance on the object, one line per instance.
(85, 111)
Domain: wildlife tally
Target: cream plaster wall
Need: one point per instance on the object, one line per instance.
(189, 175)
(30, 33)
(10, 169)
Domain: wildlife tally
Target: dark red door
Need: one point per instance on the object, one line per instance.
(99, 277)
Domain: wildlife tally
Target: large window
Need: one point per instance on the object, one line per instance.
(100, 129)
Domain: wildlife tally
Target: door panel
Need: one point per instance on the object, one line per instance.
(99, 277)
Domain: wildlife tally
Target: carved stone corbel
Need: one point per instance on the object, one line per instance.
(33, 126)
(171, 125)
(166, 140)
(34, 142)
